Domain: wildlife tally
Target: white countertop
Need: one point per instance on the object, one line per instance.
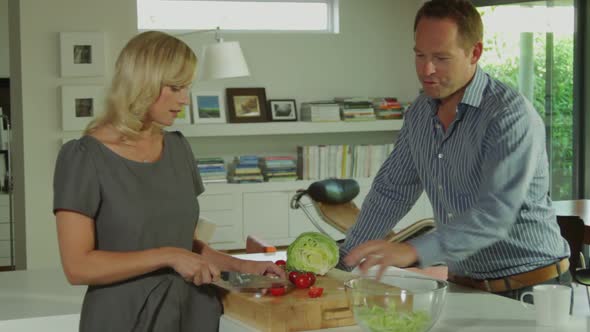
(43, 300)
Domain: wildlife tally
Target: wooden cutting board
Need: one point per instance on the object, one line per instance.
(294, 311)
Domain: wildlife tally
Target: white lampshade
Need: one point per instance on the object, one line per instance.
(223, 60)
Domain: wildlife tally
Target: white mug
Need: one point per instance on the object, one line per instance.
(552, 304)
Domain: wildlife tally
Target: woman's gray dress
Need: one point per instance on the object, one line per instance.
(137, 206)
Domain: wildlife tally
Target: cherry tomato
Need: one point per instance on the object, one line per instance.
(292, 276)
(315, 291)
(281, 263)
(277, 291)
(311, 277)
(302, 281)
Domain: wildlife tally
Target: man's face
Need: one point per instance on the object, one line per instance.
(442, 64)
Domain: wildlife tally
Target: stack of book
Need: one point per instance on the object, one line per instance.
(320, 111)
(388, 108)
(212, 169)
(356, 109)
(246, 170)
(341, 161)
(279, 168)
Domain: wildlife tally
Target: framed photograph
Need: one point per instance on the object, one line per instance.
(246, 105)
(282, 109)
(208, 107)
(184, 116)
(81, 54)
(80, 105)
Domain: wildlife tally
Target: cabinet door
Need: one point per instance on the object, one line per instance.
(266, 214)
(224, 210)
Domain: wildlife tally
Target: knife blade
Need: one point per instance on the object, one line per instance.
(244, 281)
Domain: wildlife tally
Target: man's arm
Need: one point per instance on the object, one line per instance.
(393, 193)
(514, 143)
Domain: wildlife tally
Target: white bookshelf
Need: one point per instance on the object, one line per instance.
(262, 209)
(274, 128)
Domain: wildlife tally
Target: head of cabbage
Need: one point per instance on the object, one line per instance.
(312, 252)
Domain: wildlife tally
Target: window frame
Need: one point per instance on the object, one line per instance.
(332, 19)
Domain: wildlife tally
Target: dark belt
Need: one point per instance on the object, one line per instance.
(517, 281)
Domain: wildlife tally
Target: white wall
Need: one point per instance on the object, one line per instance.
(371, 56)
(4, 59)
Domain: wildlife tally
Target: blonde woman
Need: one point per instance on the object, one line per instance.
(125, 200)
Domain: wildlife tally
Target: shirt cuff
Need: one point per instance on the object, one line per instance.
(429, 250)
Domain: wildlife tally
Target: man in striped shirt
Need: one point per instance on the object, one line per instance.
(477, 147)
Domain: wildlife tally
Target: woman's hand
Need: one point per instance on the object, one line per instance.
(262, 268)
(383, 253)
(192, 267)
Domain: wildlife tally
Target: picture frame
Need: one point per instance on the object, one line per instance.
(82, 54)
(184, 116)
(208, 107)
(246, 105)
(80, 105)
(282, 109)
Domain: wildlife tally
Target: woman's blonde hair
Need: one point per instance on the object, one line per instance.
(149, 61)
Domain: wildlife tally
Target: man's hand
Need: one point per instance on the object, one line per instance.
(383, 253)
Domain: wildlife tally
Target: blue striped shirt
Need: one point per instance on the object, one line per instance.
(486, 177)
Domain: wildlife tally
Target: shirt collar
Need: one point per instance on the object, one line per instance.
(473, 93)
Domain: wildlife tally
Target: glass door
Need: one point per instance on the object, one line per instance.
(530, 46)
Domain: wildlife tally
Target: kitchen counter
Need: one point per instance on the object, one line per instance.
(43, 300)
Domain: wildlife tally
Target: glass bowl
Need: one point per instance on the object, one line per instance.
(396, 302)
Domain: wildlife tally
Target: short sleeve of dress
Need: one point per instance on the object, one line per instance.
(75, 181)
(197, 181)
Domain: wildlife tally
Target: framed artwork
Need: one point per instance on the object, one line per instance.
(81, 54)
(208, 107)
(282, 109)
(246, 105)
(184, 116)
(80, 105)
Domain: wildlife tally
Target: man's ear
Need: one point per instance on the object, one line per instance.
(476, 52)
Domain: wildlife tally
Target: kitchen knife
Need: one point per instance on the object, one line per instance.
(253, 282)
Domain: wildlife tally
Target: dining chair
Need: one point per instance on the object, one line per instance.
(572, 229)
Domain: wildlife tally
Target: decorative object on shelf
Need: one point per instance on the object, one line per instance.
(208, 107)
(80, 105)
(246, 105)
(282, 109)
(222, 60)
(81, 54)
(184, 116)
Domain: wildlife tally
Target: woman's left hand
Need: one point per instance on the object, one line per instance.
(262, 268)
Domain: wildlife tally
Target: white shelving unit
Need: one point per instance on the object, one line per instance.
(274, 128)
(262, 209)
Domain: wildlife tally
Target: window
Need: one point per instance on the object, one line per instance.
(265, 15)
(530, 46)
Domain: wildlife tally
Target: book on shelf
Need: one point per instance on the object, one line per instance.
(341, 161)
(212, 169)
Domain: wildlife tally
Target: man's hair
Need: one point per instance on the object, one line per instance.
(462, 12)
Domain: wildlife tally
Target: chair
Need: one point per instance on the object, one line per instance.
(572, 229)
(331, 200)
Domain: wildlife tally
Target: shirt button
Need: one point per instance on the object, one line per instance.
(440, 155)
(450, 215)
(440, 187)
(437, 126)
